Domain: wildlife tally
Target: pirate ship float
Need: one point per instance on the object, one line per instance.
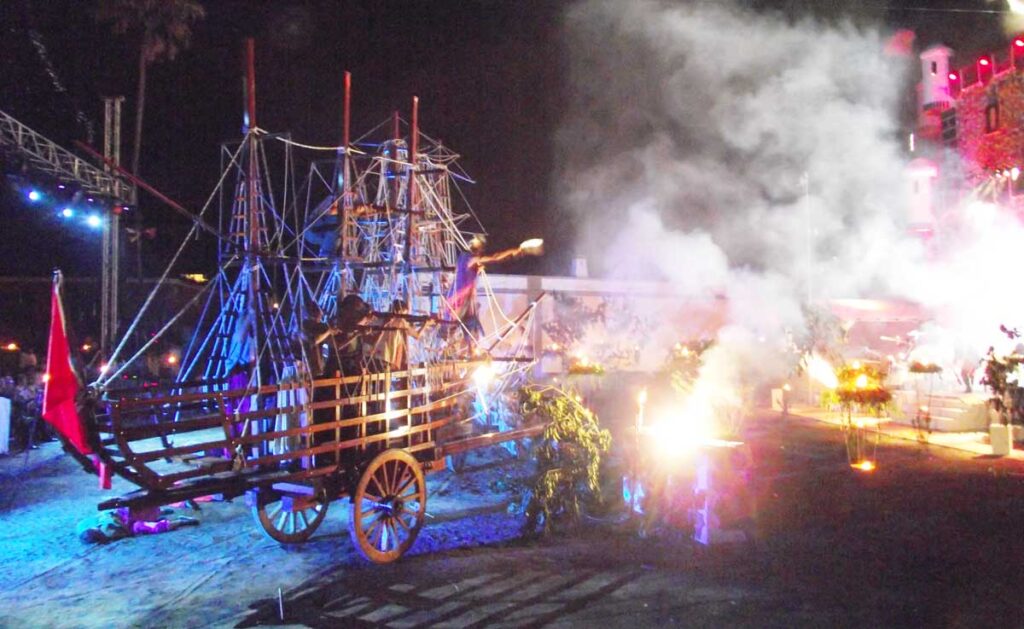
(276, 398)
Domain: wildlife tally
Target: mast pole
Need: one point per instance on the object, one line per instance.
(252, 243)
(411, 205)
(346, 120)
(252, 246)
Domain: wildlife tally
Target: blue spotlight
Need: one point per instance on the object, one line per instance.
(34, 195)
(67, 212)
(93, 221)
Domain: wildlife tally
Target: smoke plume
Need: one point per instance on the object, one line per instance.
(735, 152)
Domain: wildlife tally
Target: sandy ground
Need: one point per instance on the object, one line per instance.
(931, 538)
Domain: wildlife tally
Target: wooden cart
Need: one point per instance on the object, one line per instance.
(294, 448)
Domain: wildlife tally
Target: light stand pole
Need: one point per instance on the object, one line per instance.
(109, 273)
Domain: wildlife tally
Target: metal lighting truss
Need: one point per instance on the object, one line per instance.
(47, 157)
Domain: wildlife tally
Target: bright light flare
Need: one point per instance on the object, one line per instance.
(641, 398)
(172, 359)
(34, 195)
(822, 372)
(46, 378)
(864, 466)
(1016, 6)
(676, 432)
(11, 347)
(94, 221)
(484, 375)
(862, 381)
(532, 247)
(104, 368)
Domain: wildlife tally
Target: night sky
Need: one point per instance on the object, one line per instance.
(490, 76)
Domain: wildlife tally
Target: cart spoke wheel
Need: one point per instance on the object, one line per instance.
(284, 526)
(388, 506)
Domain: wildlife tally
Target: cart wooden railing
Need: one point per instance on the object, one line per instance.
(294, 447)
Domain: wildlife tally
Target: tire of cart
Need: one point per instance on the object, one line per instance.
(388, 506)
(287, 518)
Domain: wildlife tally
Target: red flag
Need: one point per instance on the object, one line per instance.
(61, 380)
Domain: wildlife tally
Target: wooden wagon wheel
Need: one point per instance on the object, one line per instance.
(287, 519)
(388, 506)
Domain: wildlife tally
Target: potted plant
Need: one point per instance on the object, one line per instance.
(1004, 376)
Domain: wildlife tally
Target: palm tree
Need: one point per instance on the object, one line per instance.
(162, 28)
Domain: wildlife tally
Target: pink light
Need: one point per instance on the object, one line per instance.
(953, 76)
(983, 61)
(1019, 43)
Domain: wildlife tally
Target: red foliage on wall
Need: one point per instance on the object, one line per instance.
(985, 152)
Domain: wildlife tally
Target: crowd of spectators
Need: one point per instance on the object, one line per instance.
(21, 382)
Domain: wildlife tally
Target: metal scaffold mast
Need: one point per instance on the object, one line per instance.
(251, 325)
(397, 235)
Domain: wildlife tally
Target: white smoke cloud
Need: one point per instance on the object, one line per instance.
(732, 151)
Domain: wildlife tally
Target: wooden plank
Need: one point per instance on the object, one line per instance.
(343, 423)
(294, 488)
(135, 433)
(145, 457)
(351, 443)
(169, 480)
(491, 438)
(131, 403)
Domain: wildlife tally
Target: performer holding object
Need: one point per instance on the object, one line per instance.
(463, 297)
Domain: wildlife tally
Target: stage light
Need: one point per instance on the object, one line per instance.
(1019, 43)
(93, 221)
(11, 347)
(34, 195)
(983, 61)
(67, 212)
(953, 76)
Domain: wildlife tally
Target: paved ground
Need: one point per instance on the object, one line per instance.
(931, 538)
